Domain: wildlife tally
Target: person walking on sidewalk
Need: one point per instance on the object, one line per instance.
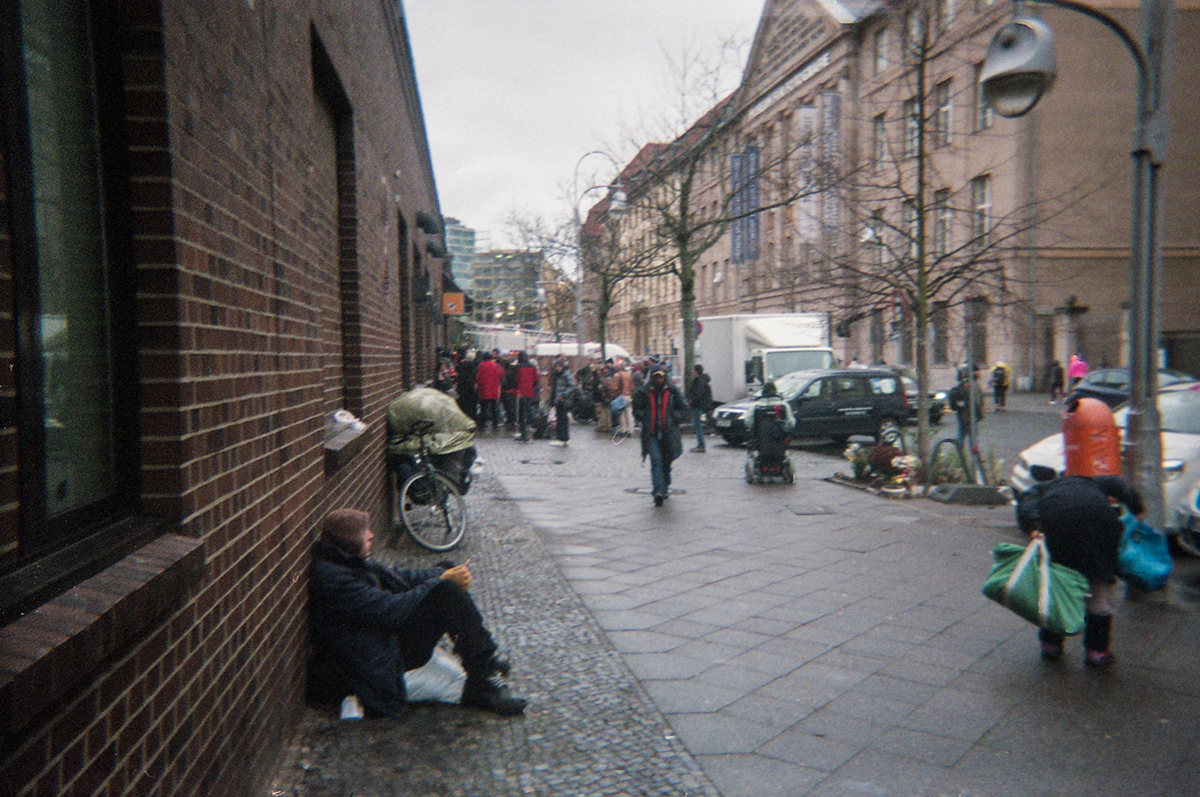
(700, 399)
(964, 397)
(562, 394)
(999, 382)
(1077, 369)
(369, 624)
(660, 409)
(1056, 382)
(1083, 531)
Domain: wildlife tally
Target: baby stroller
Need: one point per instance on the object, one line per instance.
(768, 460)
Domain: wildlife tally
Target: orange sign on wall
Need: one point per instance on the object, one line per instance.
(453, 304)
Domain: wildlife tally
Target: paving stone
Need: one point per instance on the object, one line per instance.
(927, 747)
(759, 776)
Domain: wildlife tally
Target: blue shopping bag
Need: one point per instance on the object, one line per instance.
(1145, 558)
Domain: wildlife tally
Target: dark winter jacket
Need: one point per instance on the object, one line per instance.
(960, 402)
(562, 387)
(676, 415)
(1082, 527)
(356, 607)
(699, 394)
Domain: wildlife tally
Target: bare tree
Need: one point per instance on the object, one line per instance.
(711, 181)
(903, 243)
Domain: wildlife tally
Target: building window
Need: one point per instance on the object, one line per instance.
(875, 238)
(984, 116)
(75, 355)
(976, 330)
(877, 336)
(946, 10)
(332, 98)
(912, 228)
(912, 128)
(913, 42)
(879, 141)
(879, 56)
(941, 222)
(944, 120)
(905, 328)
(938, 332)
(981, 210)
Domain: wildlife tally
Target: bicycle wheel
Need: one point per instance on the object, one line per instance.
(433, 511)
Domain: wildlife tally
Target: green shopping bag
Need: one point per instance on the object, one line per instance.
(1048, 595)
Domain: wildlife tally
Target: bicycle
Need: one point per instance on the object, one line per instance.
(429, 504)
(968, 465)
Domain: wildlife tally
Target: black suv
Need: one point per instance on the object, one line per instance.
(835, 403)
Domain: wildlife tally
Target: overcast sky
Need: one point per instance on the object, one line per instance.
(514, 92)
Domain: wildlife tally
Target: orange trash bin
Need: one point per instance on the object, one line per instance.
(1091, 438)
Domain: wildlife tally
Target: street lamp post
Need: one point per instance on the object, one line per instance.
(1018, 70)
(616, 209)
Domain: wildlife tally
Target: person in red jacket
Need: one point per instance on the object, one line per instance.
(527, 394)
(488, 377)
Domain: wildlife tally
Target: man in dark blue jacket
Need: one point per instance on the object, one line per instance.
(369, 623)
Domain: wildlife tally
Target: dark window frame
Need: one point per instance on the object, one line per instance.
(56, 552)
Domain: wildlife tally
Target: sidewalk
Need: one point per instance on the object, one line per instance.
(798, 640)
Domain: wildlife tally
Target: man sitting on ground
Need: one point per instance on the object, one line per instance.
(370, 623)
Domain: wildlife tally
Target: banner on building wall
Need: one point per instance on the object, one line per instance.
(743, 175)
(453, 304)
(807, 223)
(831, 121)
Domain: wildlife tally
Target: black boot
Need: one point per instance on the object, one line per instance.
(488, 695)
(1097, 632)
(1051, 644)
(498, 665)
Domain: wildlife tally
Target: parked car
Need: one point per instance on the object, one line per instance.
(937, 401)
(1111, 385)
(1180, 422)
(835, 403)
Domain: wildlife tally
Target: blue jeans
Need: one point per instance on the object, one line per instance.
(660, 466)
(698, 426)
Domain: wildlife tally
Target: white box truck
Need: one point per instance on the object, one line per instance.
(740, 352)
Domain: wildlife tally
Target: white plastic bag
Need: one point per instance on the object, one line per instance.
(440, 680)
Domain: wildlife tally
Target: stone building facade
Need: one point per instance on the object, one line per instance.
(218, 225)
(1024, 224)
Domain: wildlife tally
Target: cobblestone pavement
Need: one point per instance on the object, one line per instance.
(797, 640)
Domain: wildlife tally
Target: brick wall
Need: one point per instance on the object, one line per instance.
(251, 288)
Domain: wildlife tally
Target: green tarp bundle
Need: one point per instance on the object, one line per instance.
(452, 429)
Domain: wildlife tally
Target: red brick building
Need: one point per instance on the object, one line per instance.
(218, 225)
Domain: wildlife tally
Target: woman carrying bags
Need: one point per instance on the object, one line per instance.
(1079, 518)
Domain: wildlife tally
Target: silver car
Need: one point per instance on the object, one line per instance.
(1180, 414)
